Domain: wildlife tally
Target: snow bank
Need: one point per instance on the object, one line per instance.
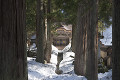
(54, 54)
(66, 77)
(39, 71)
(67, 48)
(54, 48)
(105, 76)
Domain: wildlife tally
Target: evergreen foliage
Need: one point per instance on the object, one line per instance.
(30, 16)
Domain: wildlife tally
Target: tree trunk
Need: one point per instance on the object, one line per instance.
(39, 32)
(48, 44)
(116, 40)
(73, 38)
(45, 25)
(13, 58)
(80, 42)
(85, 46)
(91, 56)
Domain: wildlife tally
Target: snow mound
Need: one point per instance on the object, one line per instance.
(54, 48)
(105, 76)
(54, 55)
(67, 48)
(39, 71)
(66, 77)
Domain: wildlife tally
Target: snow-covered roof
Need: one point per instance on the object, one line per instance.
(60, 36)
(33, 37)
(66, 27)
(107, 40)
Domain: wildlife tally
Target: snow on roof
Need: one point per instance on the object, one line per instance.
(60, 36)
(107, 40)
(66, 27)
(33, 37)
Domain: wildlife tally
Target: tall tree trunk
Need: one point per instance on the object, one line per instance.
(91, 56)
(85, 46)
(80, 42)
(48, 45)
(45, 27)
(116, 40)
(45, 24)
(39, 32)
(13, 58)
(73, 37)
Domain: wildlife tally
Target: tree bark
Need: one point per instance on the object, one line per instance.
(45, 24)
(80, 42)
(13, 58)
(85, 46)
(48, 44)
(116, 40)
(73, 37)
(39, 32)
(91, 56)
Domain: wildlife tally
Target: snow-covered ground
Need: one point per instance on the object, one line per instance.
(105, 76)
(39, 71)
